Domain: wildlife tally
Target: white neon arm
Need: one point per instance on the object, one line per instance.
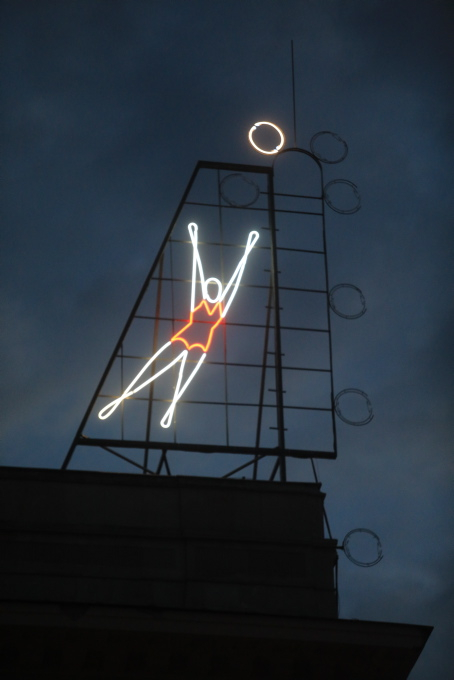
(196, 262)
(238, 273)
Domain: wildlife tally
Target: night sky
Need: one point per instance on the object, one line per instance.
(107, 107)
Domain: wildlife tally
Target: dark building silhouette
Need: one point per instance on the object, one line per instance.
(114, 575)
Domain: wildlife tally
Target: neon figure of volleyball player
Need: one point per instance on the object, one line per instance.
(211, 310)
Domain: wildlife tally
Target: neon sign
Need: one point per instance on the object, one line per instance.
(281, 134)
(211, 310)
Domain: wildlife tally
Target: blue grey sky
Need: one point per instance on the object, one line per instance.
(106, 108)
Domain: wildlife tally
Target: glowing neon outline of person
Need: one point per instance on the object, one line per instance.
(207, 299)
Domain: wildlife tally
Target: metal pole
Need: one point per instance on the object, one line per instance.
(294, 104)
(277, 333)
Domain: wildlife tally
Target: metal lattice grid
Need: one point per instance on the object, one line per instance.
(265, 389)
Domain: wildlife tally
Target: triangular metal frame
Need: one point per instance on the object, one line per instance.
(272, 327)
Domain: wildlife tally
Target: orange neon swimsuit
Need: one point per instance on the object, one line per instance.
(200, 327)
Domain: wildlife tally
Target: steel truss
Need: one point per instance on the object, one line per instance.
(278, 370)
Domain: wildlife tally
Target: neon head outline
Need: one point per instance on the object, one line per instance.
(213, 308)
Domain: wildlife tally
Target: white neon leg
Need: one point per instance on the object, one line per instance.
(167, 418)
(110, 408)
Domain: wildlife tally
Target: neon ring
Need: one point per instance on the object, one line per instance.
(281, 134)
(356, 194)
(360, 563)
(342, 155)
(337, 408)
(332, 302)
(238, 176)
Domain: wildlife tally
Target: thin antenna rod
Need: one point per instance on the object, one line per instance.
(294, 106)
